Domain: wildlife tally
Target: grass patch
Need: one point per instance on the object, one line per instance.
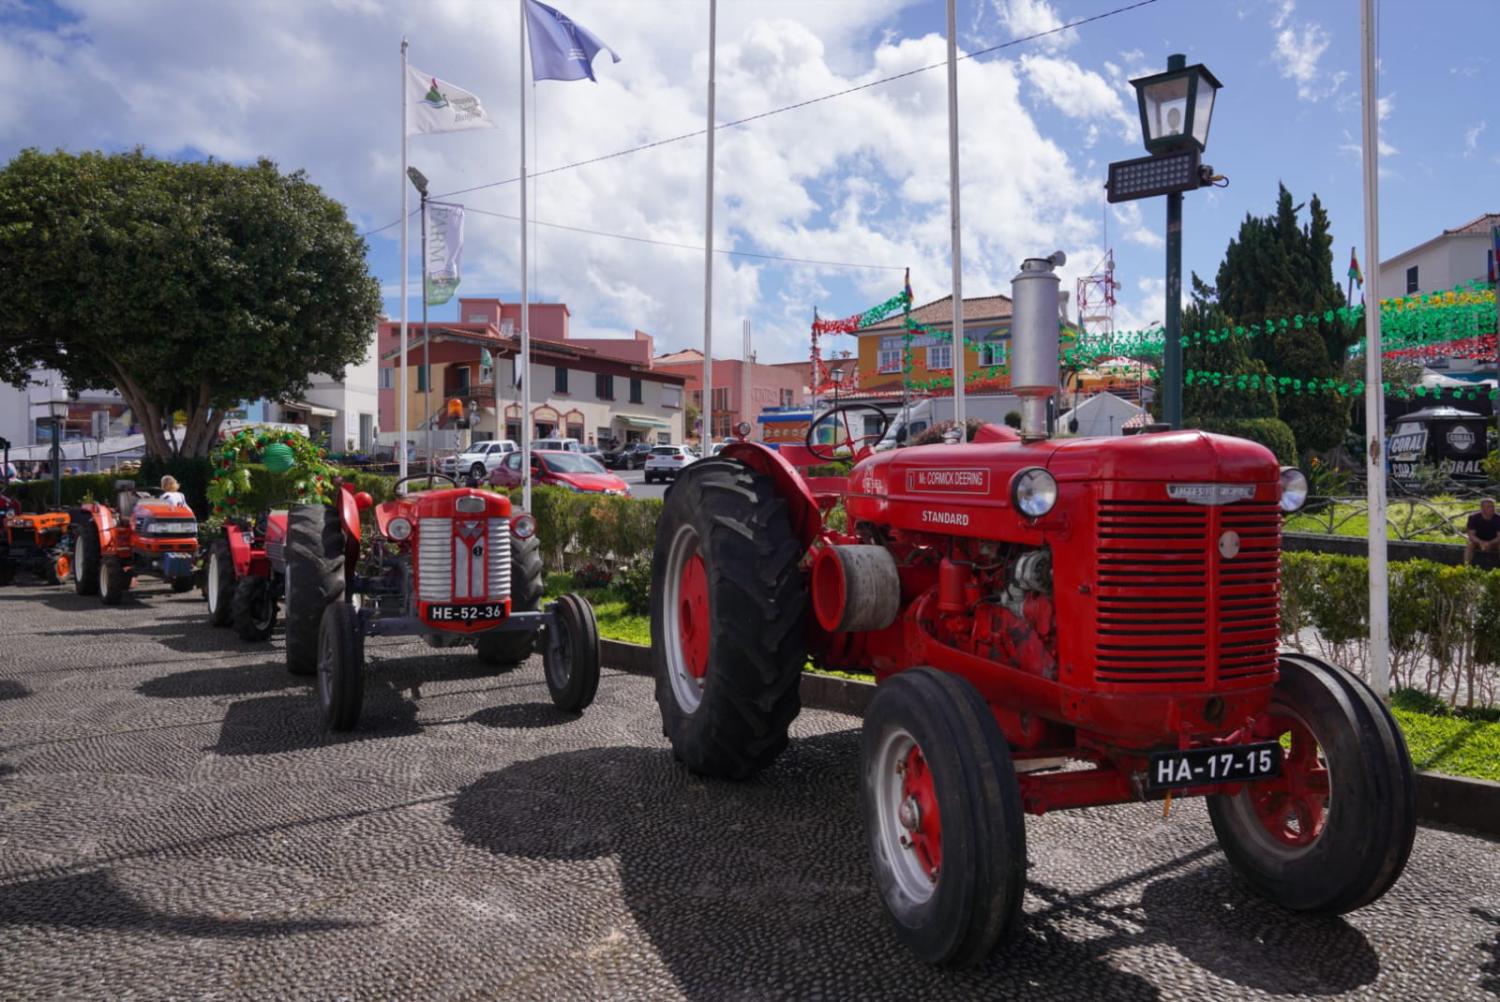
(1455, 742)
(1415, 520)
(609, 609)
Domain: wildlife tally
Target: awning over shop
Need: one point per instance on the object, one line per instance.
(312, 409)
(648, 423)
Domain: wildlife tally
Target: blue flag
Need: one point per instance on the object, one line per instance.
(561, 49)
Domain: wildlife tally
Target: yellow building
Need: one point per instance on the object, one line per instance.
(986, 323)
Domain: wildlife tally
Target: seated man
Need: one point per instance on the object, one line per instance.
(1483, 531)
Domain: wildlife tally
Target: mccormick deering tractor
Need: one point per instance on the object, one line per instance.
(451, 566)
(33, 544)
(142, 535)
(1052, 624)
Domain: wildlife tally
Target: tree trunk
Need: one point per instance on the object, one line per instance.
(147, 414)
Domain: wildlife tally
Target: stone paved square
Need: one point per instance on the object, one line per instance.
(175, 825)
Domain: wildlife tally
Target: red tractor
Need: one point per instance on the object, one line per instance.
(33, 544)
(1052, 624)
(243, 575)
(453, 566)
(142, 535)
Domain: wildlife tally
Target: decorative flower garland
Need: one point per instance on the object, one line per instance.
(312, 477)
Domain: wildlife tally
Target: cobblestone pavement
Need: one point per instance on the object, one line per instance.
(174, 825)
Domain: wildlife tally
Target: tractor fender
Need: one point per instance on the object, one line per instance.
(807, 519)
(239, 550)
(104, 520)
(349, 517)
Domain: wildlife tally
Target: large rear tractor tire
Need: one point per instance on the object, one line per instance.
(943, 817)
(1333, 832)
(7, 568)
(508, 648)
(341, 667)
(219, 583)
(254, 610)
(113, 581)
(573, 670)
(86, 559)
(314, 580)
(728, 607)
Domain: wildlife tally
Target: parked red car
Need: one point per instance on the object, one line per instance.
(574, 470)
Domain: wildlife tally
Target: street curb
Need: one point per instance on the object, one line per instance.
(1473, 804)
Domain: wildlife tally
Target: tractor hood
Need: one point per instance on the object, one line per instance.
(1173, 456)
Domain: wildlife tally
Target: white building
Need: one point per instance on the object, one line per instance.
(22, 428)
(1458, 255)
(343, 414)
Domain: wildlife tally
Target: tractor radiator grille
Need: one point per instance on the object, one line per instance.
(1171, 609)
(463, 566)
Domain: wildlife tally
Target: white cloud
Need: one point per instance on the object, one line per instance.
(1029, 17)
(851, 179)
(1471, 138)
(1283, 13)
(1128, 215)
(1077, 92)
(1299, 48)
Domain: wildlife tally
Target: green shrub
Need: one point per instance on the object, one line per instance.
(1273, 433)
(633, 584)
(36, 495)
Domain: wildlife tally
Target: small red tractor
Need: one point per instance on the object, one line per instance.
(243, 575)
(141, 535)
(33, 544)
(453, 566)
(1052, 624)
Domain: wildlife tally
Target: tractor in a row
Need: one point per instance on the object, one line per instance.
(1052, 624)
(37, 544)
(142, 535)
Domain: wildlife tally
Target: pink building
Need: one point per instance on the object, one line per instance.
(769, 386)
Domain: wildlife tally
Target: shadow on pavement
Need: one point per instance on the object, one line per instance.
(95, 901)
(239, 680)
(758, 889)
(523, 715)
(271, 725)
(11, 689)
(1491, 968)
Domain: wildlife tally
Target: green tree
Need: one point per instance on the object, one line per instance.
(1205, 403)
(188, 287)
(1277, 267)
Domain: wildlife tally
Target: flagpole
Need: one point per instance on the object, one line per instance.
(956, 251)
(1380, 665)
(525, 374)
(405, 265)
(706, 408)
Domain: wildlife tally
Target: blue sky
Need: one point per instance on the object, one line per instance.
(861, 178)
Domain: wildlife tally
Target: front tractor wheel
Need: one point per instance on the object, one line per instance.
(571, 660)
(341, 667)
(114, 581)
(86, 559)
(728, 609)
(504, 649)
(943, 817)
(59, 566)
(314, 580)
(254, 609)
(1333, 831)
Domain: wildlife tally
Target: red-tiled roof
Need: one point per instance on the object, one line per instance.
(1480, 226)
(979, 309)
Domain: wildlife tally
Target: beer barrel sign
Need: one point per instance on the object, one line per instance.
(1447, 438)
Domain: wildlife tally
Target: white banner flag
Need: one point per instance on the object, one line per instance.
(445, 250)
(435, 105)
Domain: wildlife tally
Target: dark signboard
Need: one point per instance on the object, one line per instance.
(1453, 441)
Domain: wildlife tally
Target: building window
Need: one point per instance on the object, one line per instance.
(939, 357)
(1411, 279)
(992, 353)
(721, 398)
(788, 397)
(421, 378)
(604, 434)
(604, 386)
(635, 391)
(576, 431)
(889, 360)
(478, 318)
(671, 396)
(723, 426)
(560, 379)
(461, 380)
(387, 378)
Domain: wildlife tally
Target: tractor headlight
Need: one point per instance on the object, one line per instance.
(1293, 489)
(523, 526)
(398, 529)
(1033, 492)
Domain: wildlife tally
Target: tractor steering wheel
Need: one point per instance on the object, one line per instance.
(429, 477)
(855, 446)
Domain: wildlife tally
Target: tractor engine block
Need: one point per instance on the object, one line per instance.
(995, 601)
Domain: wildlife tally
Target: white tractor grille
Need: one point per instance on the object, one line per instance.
(441, 552)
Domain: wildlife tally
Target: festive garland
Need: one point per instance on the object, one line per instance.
(312, 477)
(1289, 385)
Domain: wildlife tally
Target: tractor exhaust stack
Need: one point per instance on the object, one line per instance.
(1034, 340)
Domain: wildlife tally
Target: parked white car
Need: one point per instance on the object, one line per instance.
(557, 444)
(481, 458)
(666, 461)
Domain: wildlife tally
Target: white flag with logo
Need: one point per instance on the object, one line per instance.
(445, 249)
(435, 105)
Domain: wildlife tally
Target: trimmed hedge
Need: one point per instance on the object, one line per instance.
(1273, 433)
(1443, 621)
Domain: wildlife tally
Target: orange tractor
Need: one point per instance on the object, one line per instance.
(142, 535)
(33, 544)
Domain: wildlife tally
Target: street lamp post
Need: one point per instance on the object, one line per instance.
(837, 375)
(1176, 108)
(57, 410)
(419, 180)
